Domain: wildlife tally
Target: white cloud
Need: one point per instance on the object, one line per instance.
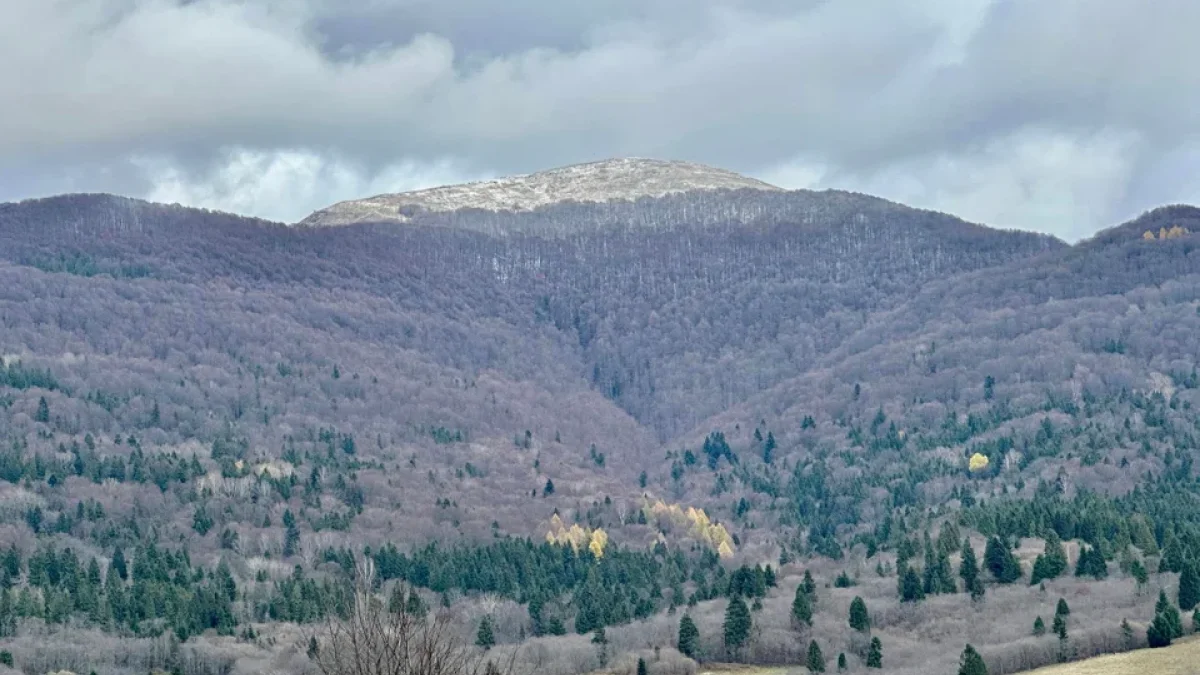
(991, 105)
(1053, 182)
(287, 185)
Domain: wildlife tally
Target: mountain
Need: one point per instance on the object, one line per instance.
(612, 351)
(627, 179)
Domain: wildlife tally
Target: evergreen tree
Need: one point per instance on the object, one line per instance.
(859, 619)
(875, 654)
(971, 663)
(485, 637)
(119, 565)
(1171, 620)
(910, 586)
(801, 608)
(1091, 564)
(43, 411)
(396, 600)
(1051, 563)
(689, 637)
(641, 666)
(815, 660)
(1189, 587)
(415, 605)
(841, 661)
(968, 569)
(1060, 626)
(1001, 562)
(737, 624)
(1062, 609)
(1159, 633)
(1039, 627)
(809, 585)
(548, 489)
(1138, 571)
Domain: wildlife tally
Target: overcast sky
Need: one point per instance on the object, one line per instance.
(1063, 116)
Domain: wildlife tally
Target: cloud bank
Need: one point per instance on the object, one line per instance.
(1063, 117)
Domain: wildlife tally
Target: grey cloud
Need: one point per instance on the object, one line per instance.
(857, 93)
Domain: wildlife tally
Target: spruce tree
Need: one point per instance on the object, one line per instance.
(485, 637)
(1039, 627)
(1172, 622)
(1060, 626)
(910, 586)
(815, 660)
(875, 654)
(1001, 562)
(641, 666)
(968, 569)
(801, 608)
(809, 585)
(971, 663)
(841, 661)
(1189, 587)
(737, 625)
(859, 619)
(689, 637)
(1062, 609)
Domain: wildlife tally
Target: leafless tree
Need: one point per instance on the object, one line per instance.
(374, 641)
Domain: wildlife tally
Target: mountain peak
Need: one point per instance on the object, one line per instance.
(603, 181)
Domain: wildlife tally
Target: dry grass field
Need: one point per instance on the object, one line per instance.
(1181, 658)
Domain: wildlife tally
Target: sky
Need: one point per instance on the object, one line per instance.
(1063, 116)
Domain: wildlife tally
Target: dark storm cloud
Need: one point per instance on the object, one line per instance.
(1019, 113)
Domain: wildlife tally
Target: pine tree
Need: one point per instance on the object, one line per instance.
(968, 569)
(485, 636)
(1039, 627)
(1060, 626)
(859, 619)
(1172, 622)
(801, 608)
(1091, 564)
(689, 637)
(548, 489)
(875, 654)
(43, 411)
(737, 624)
(1052, 563)
(641, 666)
(809, 585)
(815, 660)
(841, 661)
(1062, 609)
(415, 605)
(1001, 562)
(910, 586)
(971, 663)
(1159, 633)
(1189, 587)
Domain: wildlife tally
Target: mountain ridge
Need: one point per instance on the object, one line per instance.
(596, 182)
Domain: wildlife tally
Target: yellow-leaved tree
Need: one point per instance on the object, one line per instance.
(978, 462)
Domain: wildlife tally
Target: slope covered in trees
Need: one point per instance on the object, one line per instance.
(720, 383)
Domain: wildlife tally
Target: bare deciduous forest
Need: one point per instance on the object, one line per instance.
(210, 424)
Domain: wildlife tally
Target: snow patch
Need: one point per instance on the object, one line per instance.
(609, 180)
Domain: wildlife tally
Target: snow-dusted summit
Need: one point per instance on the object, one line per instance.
(605, 181)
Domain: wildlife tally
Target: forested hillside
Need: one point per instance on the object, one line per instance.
(589, 416)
